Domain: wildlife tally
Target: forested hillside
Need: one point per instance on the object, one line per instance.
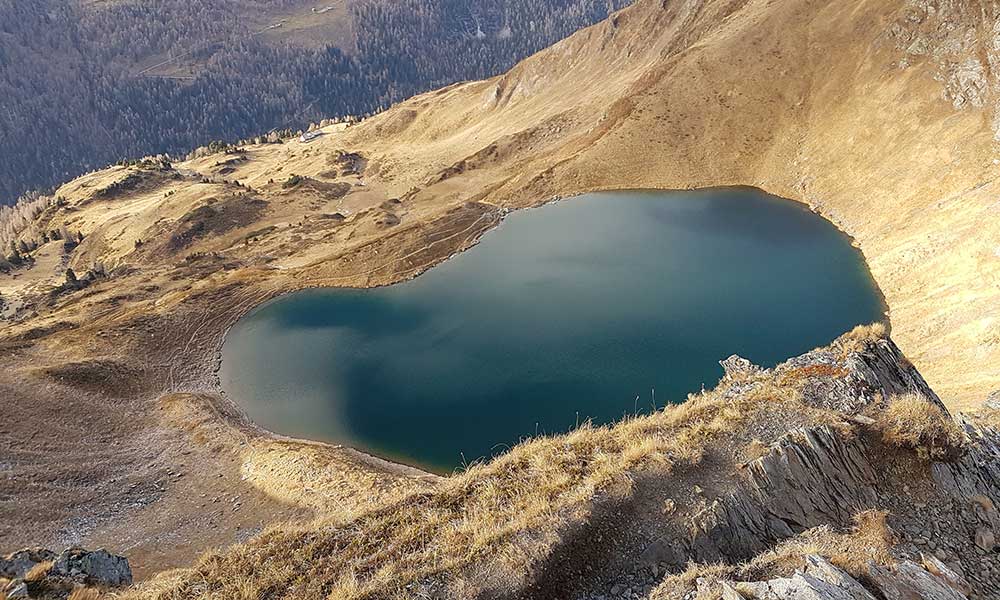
(86, 83)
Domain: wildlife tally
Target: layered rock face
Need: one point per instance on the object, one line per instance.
(816, 476)
(820, 580)
(942, 513)
(37, 573)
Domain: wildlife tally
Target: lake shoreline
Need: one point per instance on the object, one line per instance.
(268, 304)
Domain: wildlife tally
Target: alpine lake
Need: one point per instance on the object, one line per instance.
(595, 307)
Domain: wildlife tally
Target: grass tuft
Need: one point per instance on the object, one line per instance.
(38, 572)
(84, 593)
(914, 422)
(857, 339)
(870, 540)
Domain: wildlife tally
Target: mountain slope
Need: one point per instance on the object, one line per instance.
(89, 83)
(805, 455)
(879, 114)
(835, 112)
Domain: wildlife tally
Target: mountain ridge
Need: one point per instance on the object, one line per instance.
(799, 142)
(864, 110)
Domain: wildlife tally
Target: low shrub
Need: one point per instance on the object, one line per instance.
(292, 182)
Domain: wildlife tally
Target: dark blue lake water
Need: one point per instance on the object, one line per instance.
(586, 308)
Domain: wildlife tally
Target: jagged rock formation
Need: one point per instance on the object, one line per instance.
(875, 113)
(16, 564)
(820, 580)
(99, 567)
(811, 477)
(790, 451)
(41, 574)
(815, 476)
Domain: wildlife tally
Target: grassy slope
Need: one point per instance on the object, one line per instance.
(821, 112)
(721, 93)
(805, 99)
(497, 529)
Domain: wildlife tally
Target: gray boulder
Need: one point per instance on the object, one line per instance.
(736, 366)
(820, 580)
(15, 565)
(954, 580)
(99, 567)
(910, 581)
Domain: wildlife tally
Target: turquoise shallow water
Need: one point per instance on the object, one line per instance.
(592, 307)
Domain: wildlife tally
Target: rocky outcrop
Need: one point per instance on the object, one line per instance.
(738, 367)
(962, 39)
(813, 476)
(881, 368)
(71, 569)
(910, 580)
(810, 478)
(878, 370)
(18, 563)
(977, 475)
(820, 580)
(99, 567)
(822, 475)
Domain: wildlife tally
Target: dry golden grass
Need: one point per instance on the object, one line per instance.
(84, 593)
(912, 421)
(481, 531)
(799, 374)
(754, 450)
(870, 540)
(39, 571)
(857, 339)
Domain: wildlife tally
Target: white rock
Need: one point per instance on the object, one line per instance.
(18, 590)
